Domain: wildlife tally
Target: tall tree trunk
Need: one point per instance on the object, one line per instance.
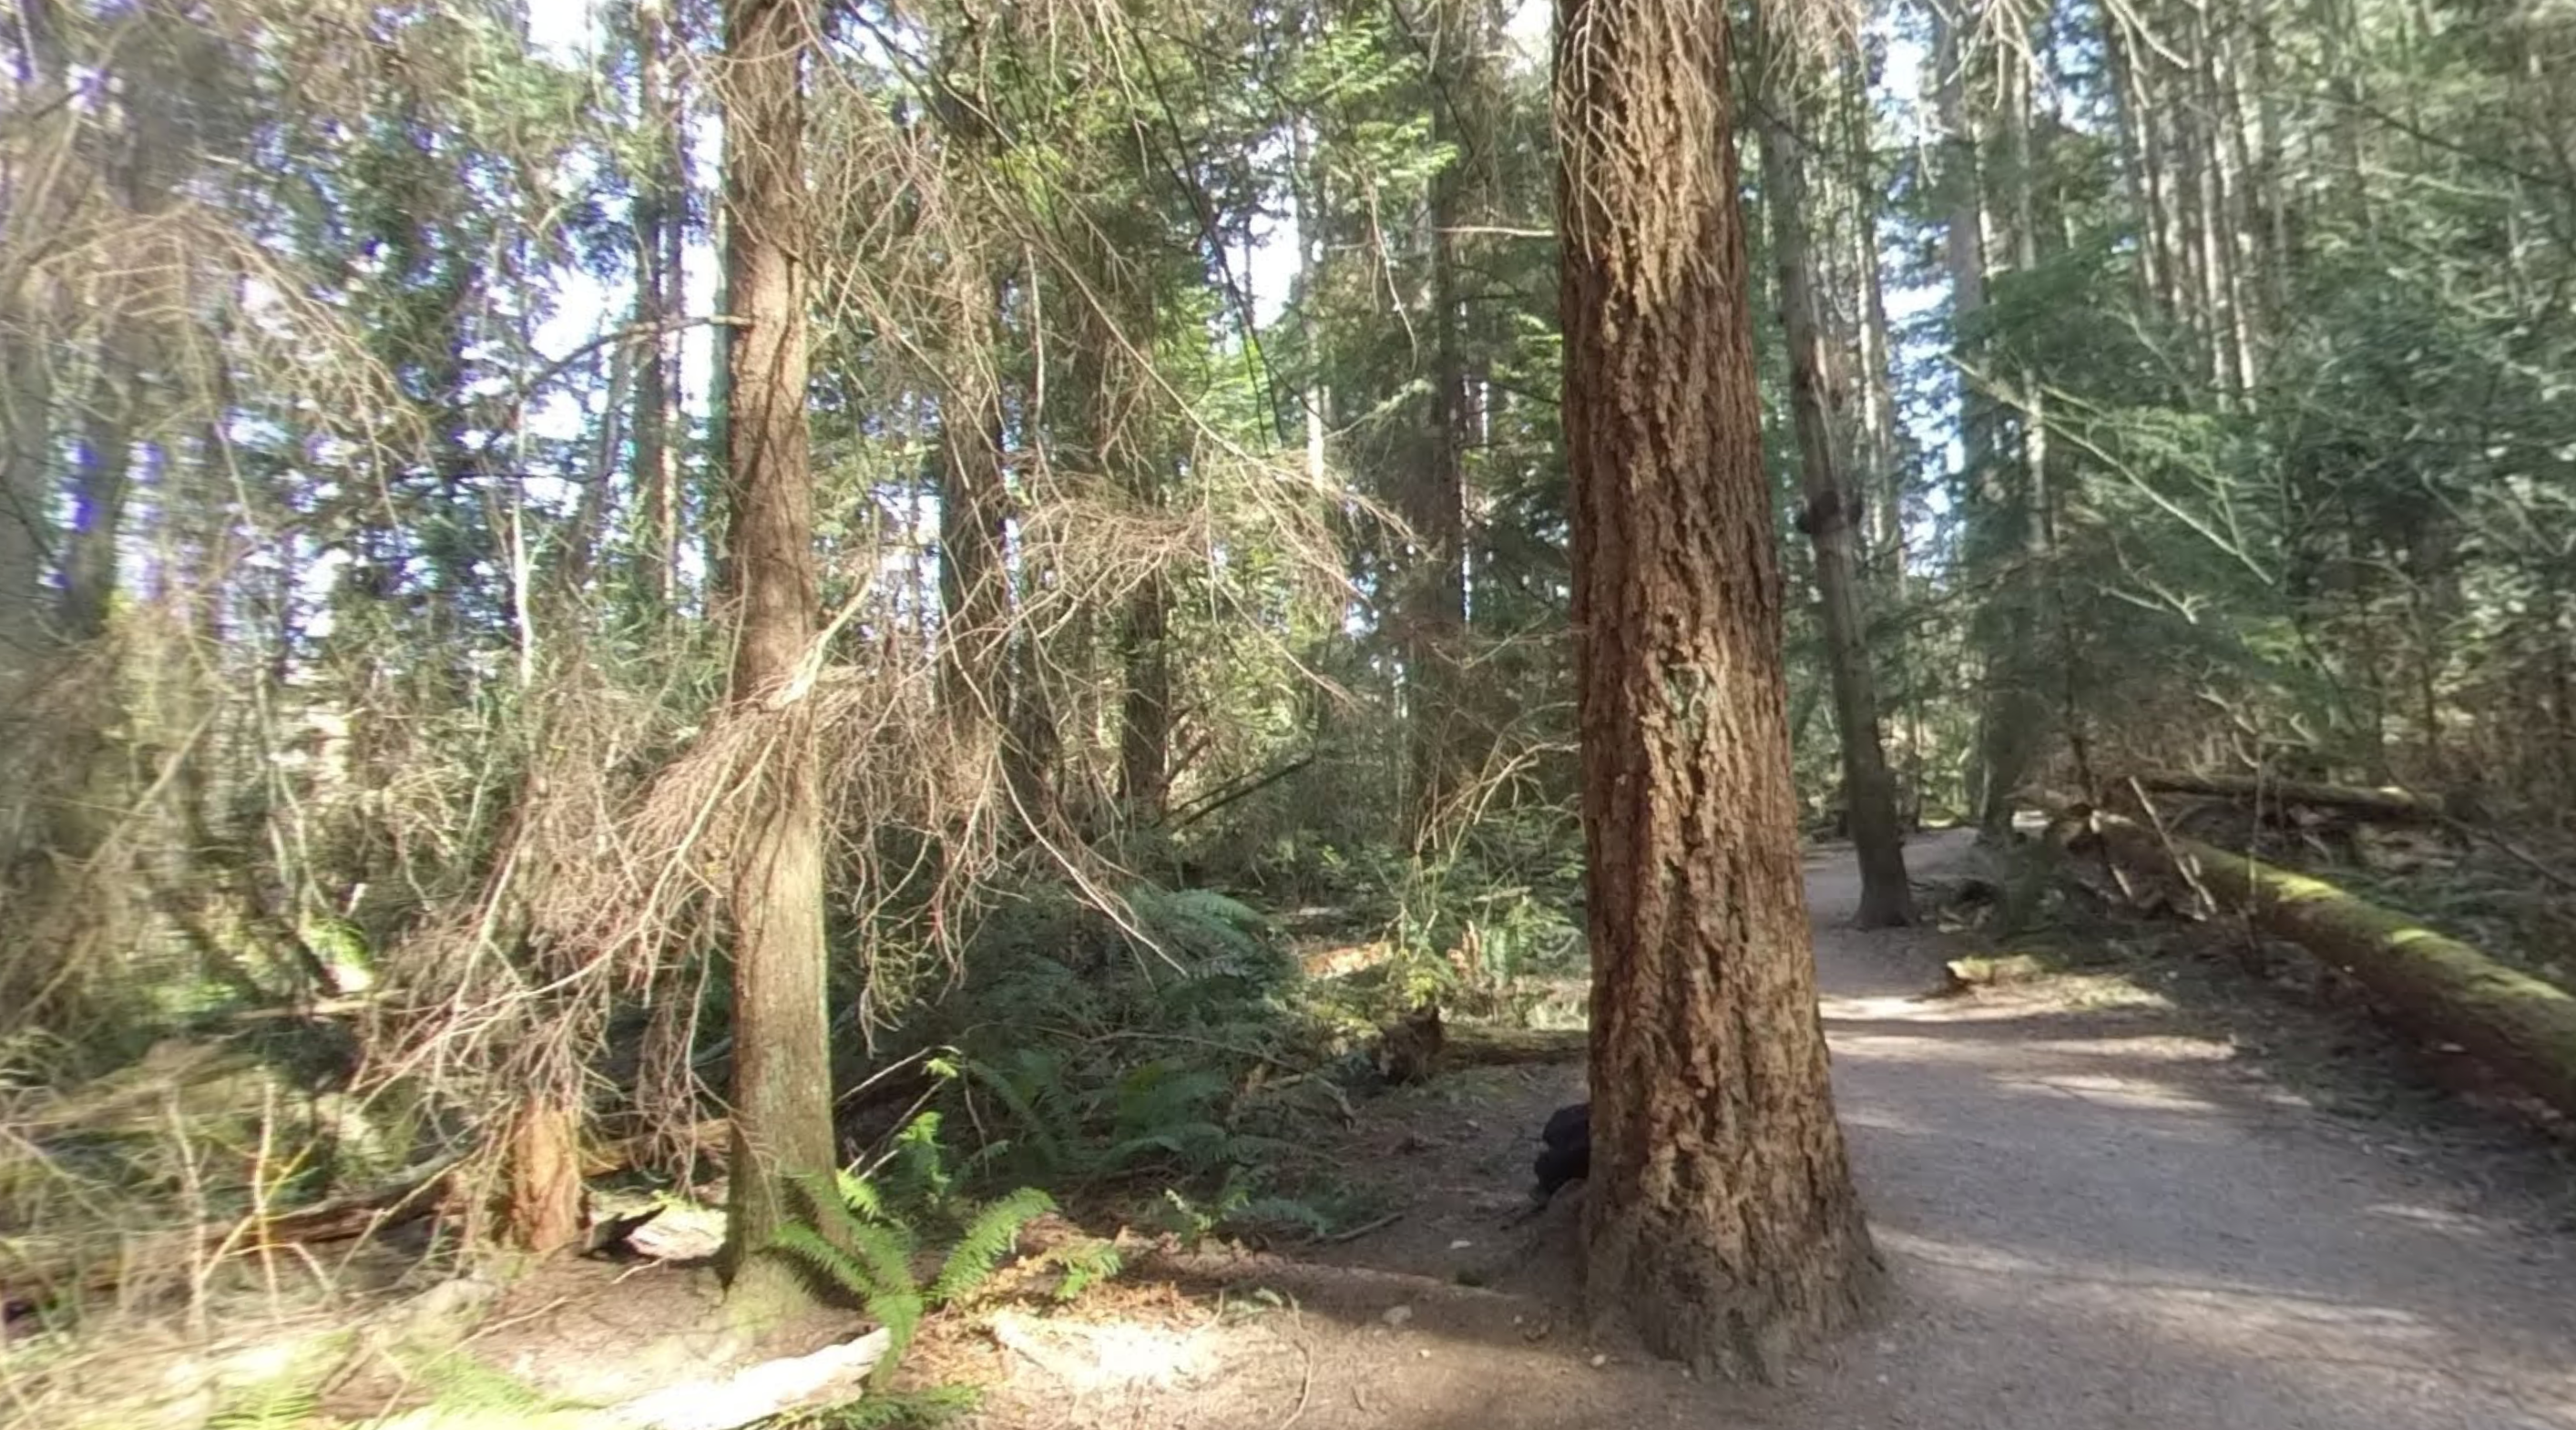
(1815, 393)
(1309, 198)
(2146, 185)
(1963, 243)
(26, 495)
(28, 310)
(1720, 1219)
(661, 233)
(2007, 523)
(782, 1092)
(1435, 498)
(1884, 468)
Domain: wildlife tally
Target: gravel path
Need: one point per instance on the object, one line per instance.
(2093, 1223)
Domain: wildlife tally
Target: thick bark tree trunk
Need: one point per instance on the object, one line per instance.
(1815, 392)
(1720, 1219)
(782, 1093)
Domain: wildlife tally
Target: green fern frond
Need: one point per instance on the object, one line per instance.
(275, 1405)
(1086, 1263)
(909, 1410)
(988, 1237)
(922, 1161)
(458, 1382)
(884, 1288)
(860, 1195)
(1280, 1211)
(1040, 1079)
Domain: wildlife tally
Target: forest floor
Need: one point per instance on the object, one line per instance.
(2152, 1191)
(2103, 1207)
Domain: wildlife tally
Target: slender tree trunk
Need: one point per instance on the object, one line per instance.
(1884, 469)
(1815, 390)
(1145, 709)
(1309, 198)
(26, 482)
(103, 480)
(27, 417)
(974, 586)
(1720, 1219)
(782, 1093)
(661, 232)
(1435, 500)
(2146, 185)
(2010, 526)
(1964, 222)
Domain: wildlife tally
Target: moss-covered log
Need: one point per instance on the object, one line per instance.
(1481, 1045)
(2394, 806)
(2519, 1025)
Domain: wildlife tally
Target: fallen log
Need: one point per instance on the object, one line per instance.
(33, 1271)
(2389, 805)
(1421, 1046)
(1484, 1045)
(2519, 1025)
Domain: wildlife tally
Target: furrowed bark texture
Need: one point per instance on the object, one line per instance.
(782, 1096)
(1720, 1219)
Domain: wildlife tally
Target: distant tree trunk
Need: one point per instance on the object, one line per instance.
(1963, 244)
(1828, 517)
(661, 232)
(102, 480)
(974, 586)
(1720, 1220)
(1435, 497)
(27, 414)
(782, 1092)
(26, 480)
(1885, 468)
(1310, 201)
(2129, 116)
(1145, 711)
(2007, 521)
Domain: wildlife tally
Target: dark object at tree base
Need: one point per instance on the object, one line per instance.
(1568, 1158)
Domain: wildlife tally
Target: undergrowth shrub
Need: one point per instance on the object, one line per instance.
(861, 1240)
(1166, 1044)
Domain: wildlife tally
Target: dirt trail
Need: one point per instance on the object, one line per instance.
(2093, 1220)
